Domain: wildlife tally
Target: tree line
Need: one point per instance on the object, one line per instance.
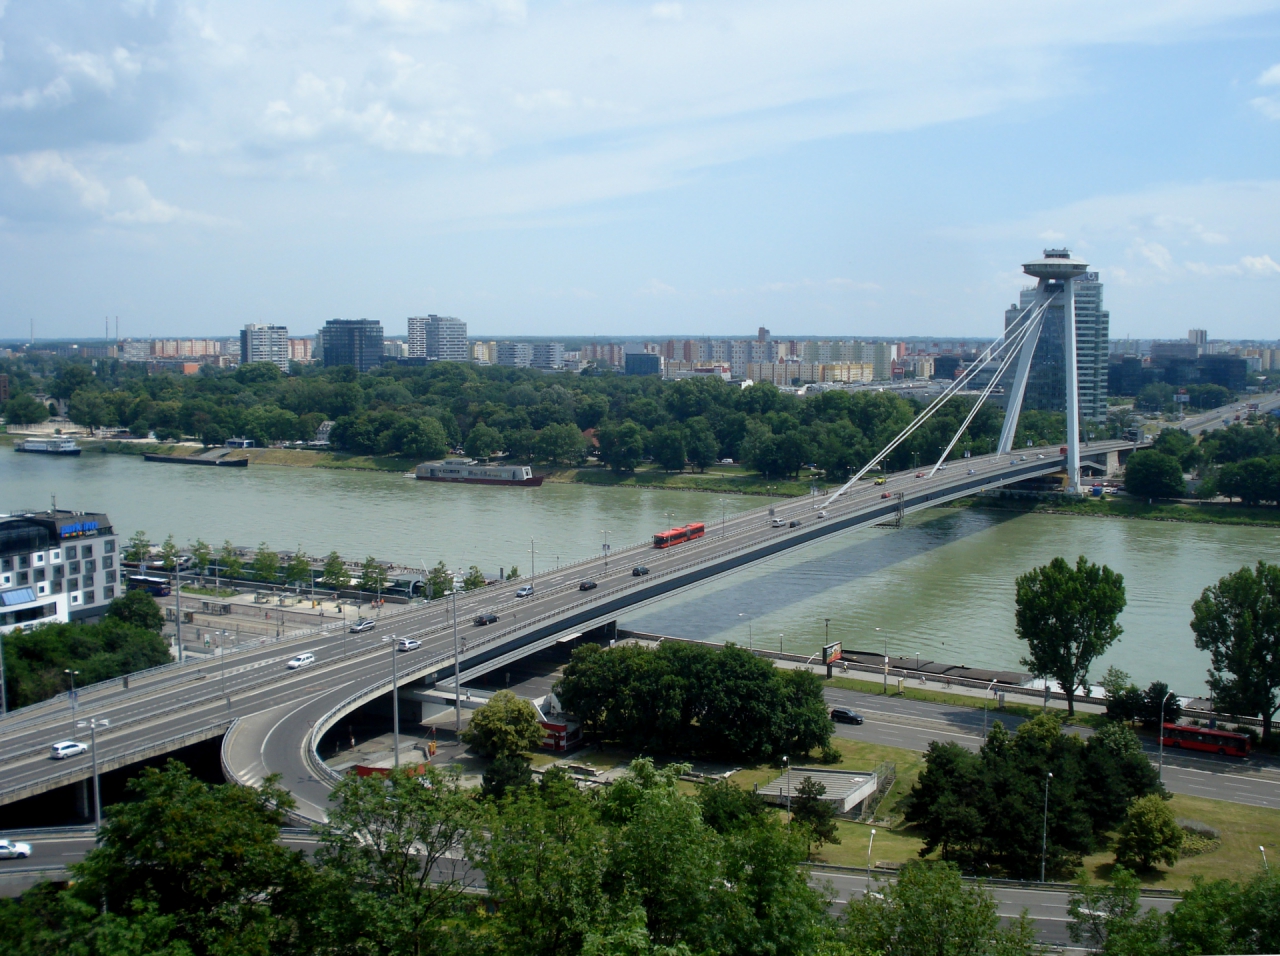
(1240, 461)
(558, 419)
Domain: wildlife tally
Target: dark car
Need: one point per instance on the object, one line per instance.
(795, 523)
(843, 715)
(587, 585)
(639, 570)
(483, 619)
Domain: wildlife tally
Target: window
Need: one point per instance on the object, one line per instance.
(24, 577)
(73, 584)
(88, 597)
(55, 556)
(24, 561)
(6, 564)
(19, 596)
(59, 572)
(73, 567)
(38, 558)
(86, 551)
(86, 581)
(108, 593)
(108, 563)
(90, 566)
(56, 588)
(38, 574)
(109, 546)
(111, 577)
(75, 598)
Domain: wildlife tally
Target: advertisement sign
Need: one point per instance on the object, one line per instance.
(831, 653)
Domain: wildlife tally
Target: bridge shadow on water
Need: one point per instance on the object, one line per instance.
(793, 578)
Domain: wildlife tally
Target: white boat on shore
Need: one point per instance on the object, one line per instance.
(48, 446)
(471, 472)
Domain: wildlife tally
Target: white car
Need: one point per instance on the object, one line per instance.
(407, 644)
(302, 660)
(68, 748)
(822, 514)
(525, 591)
(14, 851)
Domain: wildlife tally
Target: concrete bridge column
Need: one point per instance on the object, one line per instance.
(84, 799)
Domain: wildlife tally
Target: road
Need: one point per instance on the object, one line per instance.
(912, 724)
(1213, 419)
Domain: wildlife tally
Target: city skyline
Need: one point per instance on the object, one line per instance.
(635, 169)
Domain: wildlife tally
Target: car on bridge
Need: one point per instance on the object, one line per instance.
(524, 591)
(822, 514)
(778, 523)
(887, 494)
(844, 715)
(639, 571)
(363, 624)
(795, 523)
(9, 850)
(67, 748)
(973, 471)
(919, 474)
(483, 619)
(407, 644)
(881, 480)
(306, 659)
(587, 585)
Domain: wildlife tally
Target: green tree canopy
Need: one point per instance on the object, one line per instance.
(504, 726)
(1151, 474)
(483, 441)
(1068, 617)
(1149, 835)
(229, 560)
(373, 576)
(139, 548)
(139, 609)
(25, 410)
(334, 575)
(298, 571)
(266, 564)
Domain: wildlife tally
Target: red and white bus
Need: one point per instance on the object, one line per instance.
(1201, 738)
(665, 539)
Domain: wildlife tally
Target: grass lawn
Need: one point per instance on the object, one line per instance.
(718, 479)
(1124, 507)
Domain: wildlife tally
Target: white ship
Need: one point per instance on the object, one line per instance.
(470, 471)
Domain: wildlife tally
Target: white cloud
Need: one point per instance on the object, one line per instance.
(1260, 265)
(1270, 77)
(657, 287)
(667, 11)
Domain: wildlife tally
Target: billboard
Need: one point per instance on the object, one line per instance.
(831, 653)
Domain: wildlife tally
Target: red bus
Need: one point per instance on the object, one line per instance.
(665, 539)
(1201, 738)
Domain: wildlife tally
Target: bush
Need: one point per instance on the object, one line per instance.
(1149, 835)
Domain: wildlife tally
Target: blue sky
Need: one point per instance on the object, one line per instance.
(821, 167)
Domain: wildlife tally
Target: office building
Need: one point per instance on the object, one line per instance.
(438, 337)
(56, 566)
(1198, 337)
(354, 342)
(265, 343)
(1047, 381)
(547, 356)
(644, 363)
(515, 354)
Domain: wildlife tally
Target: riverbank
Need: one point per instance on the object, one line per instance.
(1133, 508)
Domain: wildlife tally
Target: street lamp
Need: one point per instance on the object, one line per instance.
(867, 889)
(93, 724)
(395, 704)
(605, 532)
(780, 644)
(533, 572)
(457, 664)
(985, 699)
(71, 694)
(826, 630)
(786, 766)
(1163, 700)
(1265, 866)
(4, 705)
(722, 503)
(1044, 833)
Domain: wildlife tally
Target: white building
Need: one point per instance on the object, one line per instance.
(265, 343)
(56, 566)
(546, 355)
(439, 337)
(515, 354)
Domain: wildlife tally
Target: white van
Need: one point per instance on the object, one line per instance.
(306, 659)
(778, 523)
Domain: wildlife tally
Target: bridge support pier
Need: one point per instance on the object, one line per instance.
(84, 800)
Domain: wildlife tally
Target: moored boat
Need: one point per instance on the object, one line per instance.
(48, 446)
(469, 471)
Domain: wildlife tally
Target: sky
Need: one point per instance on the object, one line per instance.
(600, 167)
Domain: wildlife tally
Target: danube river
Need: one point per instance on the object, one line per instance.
(942, 586)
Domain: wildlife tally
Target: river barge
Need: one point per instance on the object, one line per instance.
(193, 460)
(470, 472)
(48, 446)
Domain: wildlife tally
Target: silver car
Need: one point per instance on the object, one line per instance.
(9, 850)
(67, 748)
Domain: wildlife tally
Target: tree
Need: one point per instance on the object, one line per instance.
(513, 572)
(701, 445)
(1253, 480)
(1068, 616)
(621, 445)
(334, 576)
(87, 408)
(1237, 621)
(1150, 474)
(505, 775)
(266, 564)
(25, 410)
(422, 438)
(138, 608)
(298, 571)
(483, 441)
(229, 560)
(727, 808)
(439, 581)
(389, 859)
(139, 549)
(815, 814)
(1178, 444)
(373, 576)
(169, 554)
(474, 579)
(1149, 835)
(560, 444)
(666, 443)
(504, 726)
(201, 555)
(930, 911)
(1110, 920)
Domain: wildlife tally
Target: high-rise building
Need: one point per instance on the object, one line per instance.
(57, 566)
(265, 343)
(439, 337)
(1198, 337)
(354, 342)
(643, 363)
(547, 355)
(1047, 381)
(300, 350)
(515, 354)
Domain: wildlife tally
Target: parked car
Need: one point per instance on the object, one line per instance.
(483, 619)
(362, 625)
(843, 715)
(587, 585)
(305, 659)
(795, 523)
(9, 850)
(524, 591)
(67, 748)
(407, 644)
(639, 571)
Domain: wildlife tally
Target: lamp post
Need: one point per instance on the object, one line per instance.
(867, 889)
(826, 630)
(605, 532)
(395, 704)
(1163, 700)
(533, 573)
(71, 694)
(722, 517)
(4, 704)
(786, 766)
(457, 665)
(1265, 865)
(1044, 833)
(177, 610)
(780, 643)
(93, 724)
(985, 699)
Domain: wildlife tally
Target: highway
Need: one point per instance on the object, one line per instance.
(912, 724)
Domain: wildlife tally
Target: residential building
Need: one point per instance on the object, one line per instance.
(56, 566)
(265, 343)
(354, 342)
(484, 353)
(547, 355)
(643, 363)
(439, 337)
(1198, 337)
(515, 354)
(301, 350)
(395, 348)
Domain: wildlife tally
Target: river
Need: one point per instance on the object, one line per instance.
(941, 586)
